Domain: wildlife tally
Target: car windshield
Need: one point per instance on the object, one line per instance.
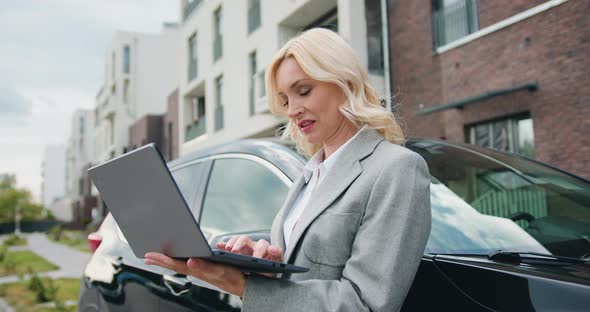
(485, 202)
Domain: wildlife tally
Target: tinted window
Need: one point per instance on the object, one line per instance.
(187, 179)
(242, 195)
(550, 206)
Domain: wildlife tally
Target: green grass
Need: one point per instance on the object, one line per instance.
(14, 240)
(23, 262)
(74, 239)
(22, 299)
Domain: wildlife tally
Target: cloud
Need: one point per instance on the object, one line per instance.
(53, 54)
(11, 102)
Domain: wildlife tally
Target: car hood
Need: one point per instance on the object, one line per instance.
(511, 286)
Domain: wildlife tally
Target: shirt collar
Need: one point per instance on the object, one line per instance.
(317, 161)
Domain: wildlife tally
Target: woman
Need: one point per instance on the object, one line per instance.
(358, 217)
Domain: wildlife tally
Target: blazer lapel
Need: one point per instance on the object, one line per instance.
(276, 233)
(345, 170)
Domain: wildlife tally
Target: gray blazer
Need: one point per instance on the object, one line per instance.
(362, 234)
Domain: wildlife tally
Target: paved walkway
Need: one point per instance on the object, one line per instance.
(71, 262)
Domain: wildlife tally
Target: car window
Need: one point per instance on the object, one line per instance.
(187, 179)
(242, 195)
(549, 205)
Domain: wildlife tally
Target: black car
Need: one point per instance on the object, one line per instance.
(508, 233)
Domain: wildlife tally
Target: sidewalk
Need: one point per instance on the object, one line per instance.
(71, 262)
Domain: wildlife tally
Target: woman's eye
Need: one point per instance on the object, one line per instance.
(305, 91)
(286, 103)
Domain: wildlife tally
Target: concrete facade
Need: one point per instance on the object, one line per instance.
(228, 112)
(80, 151)
(140, 72)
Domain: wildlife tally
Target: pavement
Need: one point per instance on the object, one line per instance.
(71, 262)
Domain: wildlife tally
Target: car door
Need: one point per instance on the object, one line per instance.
(237, 193)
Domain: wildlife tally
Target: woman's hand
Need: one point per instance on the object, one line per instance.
(223, 276)
(244, 245)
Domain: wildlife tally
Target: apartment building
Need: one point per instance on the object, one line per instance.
(79, 153)
(226, 46)
(53, 172)
(510, 75)
(140, 72)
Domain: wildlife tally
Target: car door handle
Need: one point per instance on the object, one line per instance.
(177, 285)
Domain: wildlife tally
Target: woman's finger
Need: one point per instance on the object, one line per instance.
(221, 245)
(275, 253)
(260, 248)
(230, 243)
(244, 246)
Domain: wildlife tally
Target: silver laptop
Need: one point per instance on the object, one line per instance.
(146, 203)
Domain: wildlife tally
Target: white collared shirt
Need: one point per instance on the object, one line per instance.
(314, 172)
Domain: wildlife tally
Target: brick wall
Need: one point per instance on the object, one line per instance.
(552, 48)
(146, 130)
(170, 138)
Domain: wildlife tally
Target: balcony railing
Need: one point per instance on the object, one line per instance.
(219, 117)
(192, 70)
(190, 7)
(217, 47)
(454, 22)
(195, 129)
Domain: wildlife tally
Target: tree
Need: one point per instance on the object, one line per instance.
(11, 196)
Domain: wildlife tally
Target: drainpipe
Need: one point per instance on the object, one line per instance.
(385, 35)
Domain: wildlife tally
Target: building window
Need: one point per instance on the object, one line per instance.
(219, 103)
(374, 36)
(453, 20)
(192, 57)
(252, 65)
(197, 108)
(328, 20)
(217, 37)
(126, 91)
(81, 125)
(113, 65)
(253, 15)
(126, 59)
(514, 135)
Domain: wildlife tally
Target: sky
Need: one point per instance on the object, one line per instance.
(52, 63)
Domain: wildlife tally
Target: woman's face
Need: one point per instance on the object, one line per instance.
(311, 105)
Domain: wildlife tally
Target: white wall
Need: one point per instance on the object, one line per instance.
(280, 20)
(154, 67)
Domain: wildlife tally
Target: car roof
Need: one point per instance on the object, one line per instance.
(279, 152)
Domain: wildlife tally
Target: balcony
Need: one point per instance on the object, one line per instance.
(190, 8)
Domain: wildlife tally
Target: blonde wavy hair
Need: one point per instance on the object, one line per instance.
(324, 56)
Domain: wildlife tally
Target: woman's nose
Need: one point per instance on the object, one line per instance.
(294, 110)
